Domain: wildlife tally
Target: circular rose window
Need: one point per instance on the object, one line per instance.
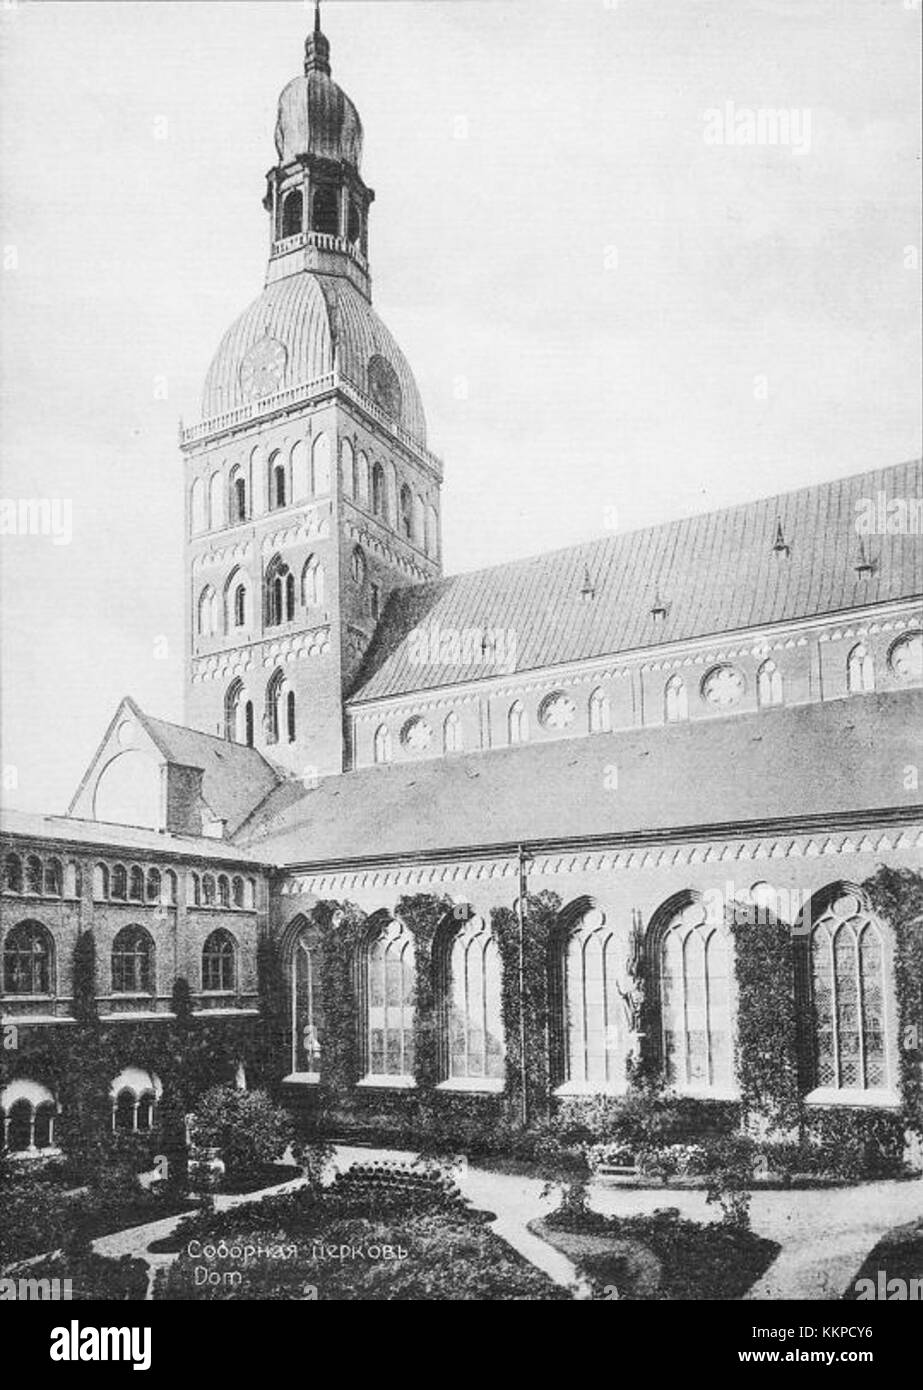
(723, 686)
(416, 734)
(556, 711)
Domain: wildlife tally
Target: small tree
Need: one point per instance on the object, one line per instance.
(248, 1129)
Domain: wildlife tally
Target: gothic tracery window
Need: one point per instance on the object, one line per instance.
(847, 987)
(472, 1004)
(390, 1002)
(593, 1015)
(695, 1000)
(132, 962)
(219, 963)
(28, 960)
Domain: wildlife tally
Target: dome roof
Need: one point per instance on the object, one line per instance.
(288, 337)
(316, 117)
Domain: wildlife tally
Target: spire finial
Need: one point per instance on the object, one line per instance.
(317, 47)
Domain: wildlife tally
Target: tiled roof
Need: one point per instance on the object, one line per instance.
(714, 573)
(126, 839)
(236, 778)
(799, 762)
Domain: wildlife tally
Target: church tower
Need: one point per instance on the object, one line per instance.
(311, 494)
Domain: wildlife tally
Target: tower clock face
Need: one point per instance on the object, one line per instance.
(262, 368)
(723, 686)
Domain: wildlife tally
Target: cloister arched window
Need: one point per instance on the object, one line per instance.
(193, 890)
(406, 512)
(208, 612)
(517, 723)
(379, 501)
(28, 1112)
(28, 960)
(292, 213)
(152, 886)
(168, 890)
(134, 1095)
(847, 981)
(312, 583)
(390, 991)
(600, 713)
(769, 684)
(73, 879)
(133, 962)
(452, 735)
(119, 882)
(219, 963)
(237, 891)
(693, 996)
(275, 694)
(860, 670)
(594, 1025)
(675, 700)
(382, 744)
(224, 891)
(136, 884)
(468, 963)
(53, 878)
(100, 883)
(325, 210)
(208, 890)
(12, 874)
(35, 877)
(280, 593)
(278, 483)
(307, 1008)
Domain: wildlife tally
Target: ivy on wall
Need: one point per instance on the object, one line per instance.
(897, 896)
(767, 1042)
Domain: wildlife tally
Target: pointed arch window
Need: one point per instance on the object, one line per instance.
(517, 722)
(769, 684)
(132, 962)
(382, 744)
(848, 996)
(275, 694)
(307, 1010)
(278, 482)
(28, 960)
(208, 612)
(53, 878)
(312, 583)
(208, 890)
(219, 963)
(379, 500)
(593, 1023)
(452, 735)
(347, 458)
(694, 999)
(34, 875)
(238, 495)
(233, 712)
(406, 510)
(280, 593)
(390, 995)
(119, 882)
(472, 1015)
(152, 886)
(136, 884)
(600, 713)
(860, 670)
(676, 700)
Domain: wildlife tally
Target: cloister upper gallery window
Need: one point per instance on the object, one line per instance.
(769, 684)
(219, 963)
(133, 962)
(390, 998)
(860, 670)
(694, 1000)
(28, 960)
(676, 700)
(847, 987)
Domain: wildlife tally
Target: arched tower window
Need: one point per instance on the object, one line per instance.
(233, 712)
(290, 715)
(216, 502)
(379, 501)
(132, 962)
(292, 213)
(390, 989)
(274, 698)
(238, 495)
(382, 746)
(848, 995)
(517, 723)
(278, 488)
(28, 960)
(320, 465)
(298, 464)
(769, 684)
(860, 670)
(219, 963)
(312, 583)
(354, 223)
(347, 459)
(198, 508)
(248, 723)
(600, 713)
(208, 612)
(470, 1004)
(694, 999)
(280, 593)
(406, 510)
(675, 700)
(325, 210)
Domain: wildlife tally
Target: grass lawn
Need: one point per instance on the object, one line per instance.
(659, 1256)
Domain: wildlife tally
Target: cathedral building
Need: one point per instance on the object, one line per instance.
(473, 846)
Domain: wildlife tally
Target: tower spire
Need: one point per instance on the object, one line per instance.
(317, 47)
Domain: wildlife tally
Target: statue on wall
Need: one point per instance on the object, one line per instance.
(631, 985)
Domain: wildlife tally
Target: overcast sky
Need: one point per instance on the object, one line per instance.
(611, 317)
